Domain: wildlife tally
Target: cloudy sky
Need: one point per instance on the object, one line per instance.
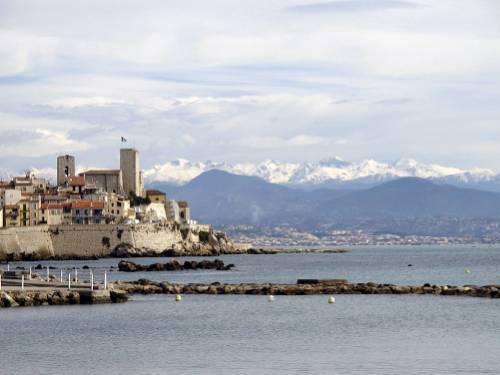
(244, 81)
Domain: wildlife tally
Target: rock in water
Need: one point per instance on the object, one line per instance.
(217, 264)
(126, 266)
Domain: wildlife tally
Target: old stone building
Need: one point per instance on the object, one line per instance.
(9, 196)
(109, 180)
(156, 196)
(51, 214)
(87, 212)
(65, 168)
(131, 170)
(184, 211)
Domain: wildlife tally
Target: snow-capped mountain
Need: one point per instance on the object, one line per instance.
(328, 172)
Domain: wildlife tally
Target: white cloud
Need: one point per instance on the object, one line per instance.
(75, 102)
(222, 80)
(305, 140)
(36, 137)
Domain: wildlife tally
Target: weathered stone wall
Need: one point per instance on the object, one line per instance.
(66, 241)
(25, 240)
(155, 237)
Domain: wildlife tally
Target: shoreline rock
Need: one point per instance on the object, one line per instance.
(217, 264)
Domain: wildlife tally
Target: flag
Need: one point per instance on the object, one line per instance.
(123, 140)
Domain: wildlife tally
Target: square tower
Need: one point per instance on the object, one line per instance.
(65, 168)
(131, 171)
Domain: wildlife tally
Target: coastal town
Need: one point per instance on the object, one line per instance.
(290, 237)
(97, 196)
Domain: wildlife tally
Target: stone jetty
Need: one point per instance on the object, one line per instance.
(120, 291)
(217, 264)
(46, 297)
(306, 287)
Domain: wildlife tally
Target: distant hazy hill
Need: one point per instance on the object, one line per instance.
(414, 197)
(223, 198)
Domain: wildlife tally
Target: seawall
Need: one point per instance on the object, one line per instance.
(89, 241)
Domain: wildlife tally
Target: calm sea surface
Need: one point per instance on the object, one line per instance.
(373, 334)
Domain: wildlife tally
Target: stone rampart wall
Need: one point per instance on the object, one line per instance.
(25, 240)
(89, 240)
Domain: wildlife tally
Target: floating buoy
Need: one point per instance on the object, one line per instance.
(467, 271)
(178, 298)
(270, 298)
(331, 300)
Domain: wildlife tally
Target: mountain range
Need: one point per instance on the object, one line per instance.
(329, 173)
(223, 198)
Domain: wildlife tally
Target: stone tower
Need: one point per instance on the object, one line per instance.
(65, 168)
(131, 171)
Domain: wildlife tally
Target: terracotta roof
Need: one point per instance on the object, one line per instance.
(87, 204)
(183, 204)
(101, 171)
(76, 180)
(154, 192)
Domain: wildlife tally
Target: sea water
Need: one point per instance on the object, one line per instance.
(230, 334)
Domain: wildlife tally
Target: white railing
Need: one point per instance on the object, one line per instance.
(43, 279)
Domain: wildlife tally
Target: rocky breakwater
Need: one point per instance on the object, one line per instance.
(307, 287)
(217, 264)
(60, 297)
